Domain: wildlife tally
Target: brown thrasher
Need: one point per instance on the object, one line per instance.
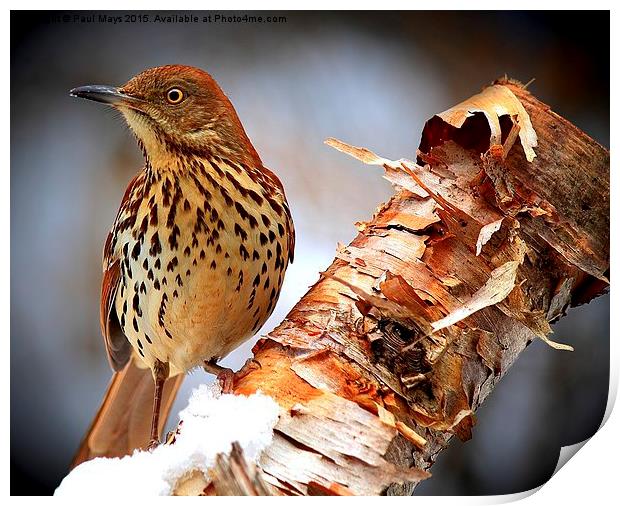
(193, 265)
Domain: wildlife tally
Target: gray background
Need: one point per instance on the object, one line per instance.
(371, 79)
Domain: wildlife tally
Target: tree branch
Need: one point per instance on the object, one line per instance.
(501, 225)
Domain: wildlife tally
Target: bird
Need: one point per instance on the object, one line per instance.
(195, 259)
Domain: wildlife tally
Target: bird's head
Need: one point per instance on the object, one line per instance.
(177, 109)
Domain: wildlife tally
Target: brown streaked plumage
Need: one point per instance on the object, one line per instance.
(195, 259)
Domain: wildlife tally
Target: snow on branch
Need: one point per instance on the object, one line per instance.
(209, 425)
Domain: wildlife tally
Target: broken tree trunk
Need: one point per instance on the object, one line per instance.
(501, 224)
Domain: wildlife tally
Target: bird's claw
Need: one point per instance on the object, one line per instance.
(226, 378)
(153, 443)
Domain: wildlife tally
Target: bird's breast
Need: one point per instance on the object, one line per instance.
(203, 263)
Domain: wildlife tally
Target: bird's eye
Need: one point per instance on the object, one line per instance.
(174, 96)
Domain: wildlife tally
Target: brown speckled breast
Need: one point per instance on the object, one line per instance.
(203, 250)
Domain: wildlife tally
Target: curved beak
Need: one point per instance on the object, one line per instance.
(101, 93)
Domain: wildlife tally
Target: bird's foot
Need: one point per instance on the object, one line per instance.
(153, 443)
(227, 377)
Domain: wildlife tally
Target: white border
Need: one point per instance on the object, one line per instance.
(590, 476)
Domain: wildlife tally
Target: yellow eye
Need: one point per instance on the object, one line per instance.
(174, 96)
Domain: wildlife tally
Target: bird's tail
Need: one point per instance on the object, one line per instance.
(123, 421)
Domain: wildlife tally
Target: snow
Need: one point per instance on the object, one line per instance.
(210, 424)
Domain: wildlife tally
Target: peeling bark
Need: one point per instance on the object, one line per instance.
(233, 475)
(501, 225)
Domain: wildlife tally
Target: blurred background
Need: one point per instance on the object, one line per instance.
(371, 79)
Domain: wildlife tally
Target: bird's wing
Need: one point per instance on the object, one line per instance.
(291, 233)
(117, 345)
(278, 188)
